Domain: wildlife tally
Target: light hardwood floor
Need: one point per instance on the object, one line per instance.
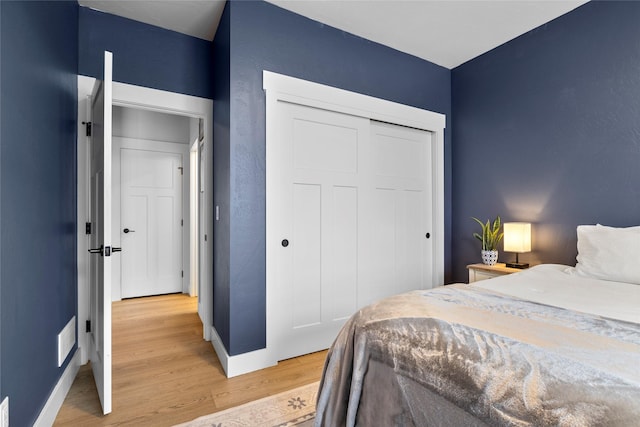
(164, 373)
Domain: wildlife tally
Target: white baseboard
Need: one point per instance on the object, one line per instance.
(56, 398)
(242, 363)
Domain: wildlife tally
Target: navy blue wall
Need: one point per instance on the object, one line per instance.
(38, 186)
(144, 55)
(546, 129)
(221, 188)
(263, 36)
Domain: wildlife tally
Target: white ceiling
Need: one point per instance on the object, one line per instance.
(446, 32)
(197, 18)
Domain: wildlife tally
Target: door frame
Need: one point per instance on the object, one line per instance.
(281, 88)
(139, 97)
(194, 214)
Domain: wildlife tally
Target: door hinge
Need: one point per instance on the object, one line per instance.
(181, 273)
(182, 223)
(87, 228)
(87, 128)
(87, 327)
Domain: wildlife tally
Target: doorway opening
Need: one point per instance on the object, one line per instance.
(177, 129)
(154, 204)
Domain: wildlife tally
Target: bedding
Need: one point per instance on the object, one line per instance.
(565, 287)
(609, 253)
(474, 355)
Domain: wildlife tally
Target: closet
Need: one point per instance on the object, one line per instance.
(351, 216)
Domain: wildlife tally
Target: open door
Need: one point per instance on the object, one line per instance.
(100, 282)
(203, 294)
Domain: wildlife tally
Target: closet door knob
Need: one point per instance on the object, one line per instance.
(285, 243)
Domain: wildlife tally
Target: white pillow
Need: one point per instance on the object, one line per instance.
(609, 253)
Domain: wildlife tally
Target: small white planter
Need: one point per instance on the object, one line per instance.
(489, 257)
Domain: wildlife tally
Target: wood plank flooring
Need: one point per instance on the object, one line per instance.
(164, 373)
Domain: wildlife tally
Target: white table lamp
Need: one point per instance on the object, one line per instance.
(517, 238)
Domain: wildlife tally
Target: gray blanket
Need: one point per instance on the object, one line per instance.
(460, 355)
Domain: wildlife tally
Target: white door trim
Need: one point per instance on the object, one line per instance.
(284, 88)
(279, 87)
(154, 100)
(193, 214)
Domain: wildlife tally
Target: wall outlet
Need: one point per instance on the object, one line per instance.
(4, 412)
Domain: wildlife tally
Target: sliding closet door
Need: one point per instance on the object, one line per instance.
(322, 157)
(396, 252)
(353, 212)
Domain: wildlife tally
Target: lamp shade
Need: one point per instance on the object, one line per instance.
(517, 237)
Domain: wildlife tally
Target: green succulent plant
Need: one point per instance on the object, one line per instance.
(491, 234)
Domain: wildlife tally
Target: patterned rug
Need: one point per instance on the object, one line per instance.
(296, 407)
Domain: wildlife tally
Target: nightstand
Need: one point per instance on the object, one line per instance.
(482, 271)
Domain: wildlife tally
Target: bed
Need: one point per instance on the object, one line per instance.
(553, 345)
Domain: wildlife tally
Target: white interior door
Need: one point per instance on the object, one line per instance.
(354, 220)
(152, 223)
(100, 283)
(205, 230)
(202, 232)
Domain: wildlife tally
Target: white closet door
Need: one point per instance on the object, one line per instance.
(353, 210)
(322, 155)
(397, 250)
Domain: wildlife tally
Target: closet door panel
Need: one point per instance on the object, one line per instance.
(307, 260)
(343, 278)
(319, 219)
(400, 211)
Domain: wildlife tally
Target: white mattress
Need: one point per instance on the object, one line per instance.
(560, 286)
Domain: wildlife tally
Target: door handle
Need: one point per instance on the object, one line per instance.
(97, 250)
(127, 231)
(104, 251)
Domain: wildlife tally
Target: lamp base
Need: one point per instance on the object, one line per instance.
(521, 265)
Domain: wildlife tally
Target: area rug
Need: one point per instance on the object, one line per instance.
(296, 407)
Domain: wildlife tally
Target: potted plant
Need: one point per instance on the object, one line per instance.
(490, 238)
